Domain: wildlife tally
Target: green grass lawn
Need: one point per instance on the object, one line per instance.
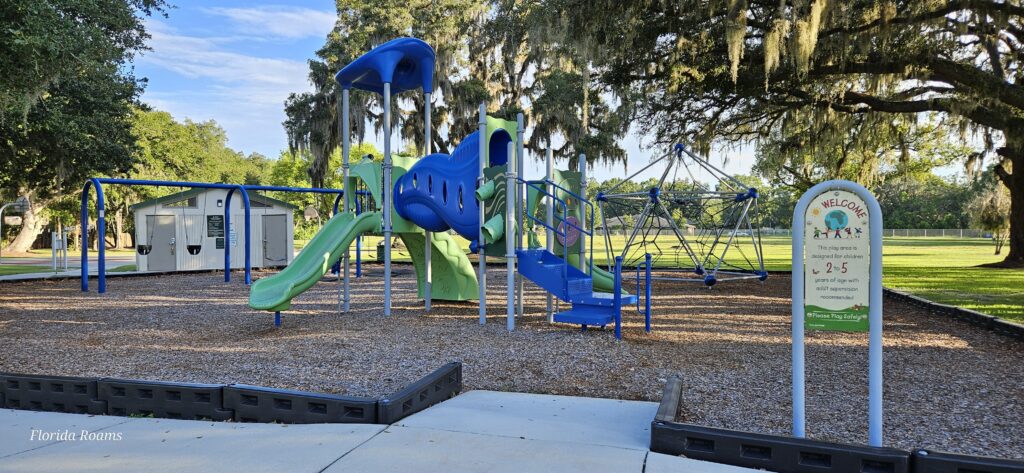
(8, 269)
(939, 269)
(45, 252)
(123, 269)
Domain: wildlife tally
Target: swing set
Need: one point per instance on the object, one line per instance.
(193, 249)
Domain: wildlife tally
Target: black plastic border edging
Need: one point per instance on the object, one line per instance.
(996, 324)
(126, 397)
(51, 393)
(260, 404)
(942, 462)
(441, 385)
(218, 402)
(792, 455)
(973, 317)
(770, 452)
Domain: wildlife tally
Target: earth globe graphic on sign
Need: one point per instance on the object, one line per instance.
(836, 220)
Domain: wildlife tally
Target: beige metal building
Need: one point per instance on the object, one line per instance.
(186, 231)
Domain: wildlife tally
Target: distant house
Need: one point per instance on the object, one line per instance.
(186, 231)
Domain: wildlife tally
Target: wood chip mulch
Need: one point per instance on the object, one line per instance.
(948, 385)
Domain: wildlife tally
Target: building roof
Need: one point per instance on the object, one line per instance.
(178, 196)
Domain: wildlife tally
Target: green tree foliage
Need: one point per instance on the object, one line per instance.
(923, 201)
(189, 151)
(499, 52)
(168, 150)
(802, 72)
(291, 169)
(66, 96)
(989, 210)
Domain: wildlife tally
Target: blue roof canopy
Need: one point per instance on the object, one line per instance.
(407, 63)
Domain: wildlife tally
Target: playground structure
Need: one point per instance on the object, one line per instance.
(726, 244)
(477, 192)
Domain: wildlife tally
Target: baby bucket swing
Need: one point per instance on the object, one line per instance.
(145, 249)
(194, 249)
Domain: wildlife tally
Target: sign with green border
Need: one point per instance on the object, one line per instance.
(837, 263)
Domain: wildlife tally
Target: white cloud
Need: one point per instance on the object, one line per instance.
(244, 93)
(278, 20)
(196, 57)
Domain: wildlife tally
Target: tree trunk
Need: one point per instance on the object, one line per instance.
(119, 226)
(32, 224)
(93, 227)
(1014, 180)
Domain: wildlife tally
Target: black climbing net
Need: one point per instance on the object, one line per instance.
(694, 230)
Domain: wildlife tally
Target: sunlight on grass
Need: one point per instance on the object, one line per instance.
(8, 269)
(940, 269)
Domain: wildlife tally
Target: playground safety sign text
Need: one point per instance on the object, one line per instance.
(837, 262)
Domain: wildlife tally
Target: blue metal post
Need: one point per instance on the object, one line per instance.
(618, 297)
(101, 228)
(277, 319)
(227, 225)
(647, 293)
(101, 241)
(84, 219)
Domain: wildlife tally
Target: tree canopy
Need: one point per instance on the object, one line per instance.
(500, 52)
(817, 76)
(66, 96)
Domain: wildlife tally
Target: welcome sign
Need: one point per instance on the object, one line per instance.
(837, 283)
(837, 262)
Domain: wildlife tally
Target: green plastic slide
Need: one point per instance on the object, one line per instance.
(275, 293)
(603, 280)
(451, 272)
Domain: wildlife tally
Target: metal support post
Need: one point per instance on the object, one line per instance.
(428, 275)
(386, 192)
(549, 218)
(482, 264)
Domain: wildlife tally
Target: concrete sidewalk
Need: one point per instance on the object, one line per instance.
(479, 431)
(74, 266)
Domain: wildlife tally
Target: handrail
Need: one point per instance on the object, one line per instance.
(571, 193)
(560, 203)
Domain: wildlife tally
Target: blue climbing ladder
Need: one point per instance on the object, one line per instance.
(554, 274)
(564, 281)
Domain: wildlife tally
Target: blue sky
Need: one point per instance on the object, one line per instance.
(235, 62)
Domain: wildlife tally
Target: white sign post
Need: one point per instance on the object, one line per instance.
(837, 227)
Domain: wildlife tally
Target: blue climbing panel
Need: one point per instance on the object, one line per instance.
(564, 281)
